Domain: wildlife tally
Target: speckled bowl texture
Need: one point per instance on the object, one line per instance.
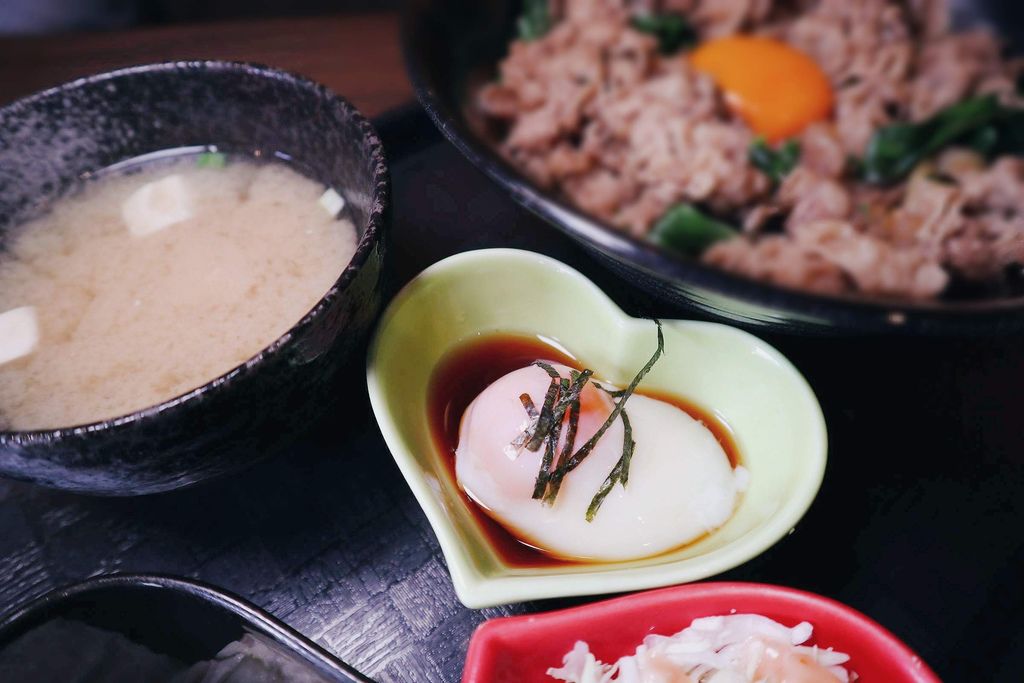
(48, 140)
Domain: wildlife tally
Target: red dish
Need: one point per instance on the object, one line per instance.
(520, 649)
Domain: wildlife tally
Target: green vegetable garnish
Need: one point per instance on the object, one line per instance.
(211, 160)
(567, 400)
(673, 31)
(535, 20)
(774, 163)
(981, 123)
(684, 229)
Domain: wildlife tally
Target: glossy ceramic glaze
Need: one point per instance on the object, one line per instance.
(520, 649)
(452, 46)
(774, 417)
(49, 140)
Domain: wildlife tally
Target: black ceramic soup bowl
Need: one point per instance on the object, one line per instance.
(49, 140)
(452, 47)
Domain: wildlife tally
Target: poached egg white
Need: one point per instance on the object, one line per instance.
(681, 483)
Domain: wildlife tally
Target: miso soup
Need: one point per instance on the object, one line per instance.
(155, 278)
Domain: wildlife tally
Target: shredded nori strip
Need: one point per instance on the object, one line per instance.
(544, 473)
(614, 393)
(560, 400)
(570, 434)
(548, 368)
(563, 395)
(580, 380)
(619, 473)
(550, 444)
(531, 412)
(545, 421)
(580, 455)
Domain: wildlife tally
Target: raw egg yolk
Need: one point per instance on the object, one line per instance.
(775, 88)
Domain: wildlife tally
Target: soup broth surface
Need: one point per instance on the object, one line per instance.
(128, 320)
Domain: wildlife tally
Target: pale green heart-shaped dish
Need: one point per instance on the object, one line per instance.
(774, 417)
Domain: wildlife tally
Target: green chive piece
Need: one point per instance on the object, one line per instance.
(685, 230)
(776, 163)
(672, 30)
(982, 123)
(535, 21)
(211, 160)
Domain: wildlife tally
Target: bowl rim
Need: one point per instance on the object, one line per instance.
(601, 577)
(372, 234)
(805, 311)
(494, 633)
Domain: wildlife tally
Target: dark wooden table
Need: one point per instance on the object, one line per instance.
(355, 55)
(919, 523)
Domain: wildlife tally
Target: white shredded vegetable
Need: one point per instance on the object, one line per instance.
(737, 648)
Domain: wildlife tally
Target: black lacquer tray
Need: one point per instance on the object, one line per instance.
(920, 522)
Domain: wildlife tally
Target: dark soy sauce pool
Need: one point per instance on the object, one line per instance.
(469, 369)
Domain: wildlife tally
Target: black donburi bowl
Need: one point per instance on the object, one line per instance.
(49, 140)
(452, 46)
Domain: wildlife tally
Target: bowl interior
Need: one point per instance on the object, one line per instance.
(521, 649)
(773, 415)
(51, 141)
(452, 47)
(58, 138)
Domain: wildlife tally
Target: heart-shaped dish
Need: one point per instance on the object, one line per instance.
(521, 649)
(775, 420)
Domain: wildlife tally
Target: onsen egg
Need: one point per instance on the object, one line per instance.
(777, 89)
(681, 484)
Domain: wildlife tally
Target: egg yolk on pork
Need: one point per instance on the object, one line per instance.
(777, 89)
